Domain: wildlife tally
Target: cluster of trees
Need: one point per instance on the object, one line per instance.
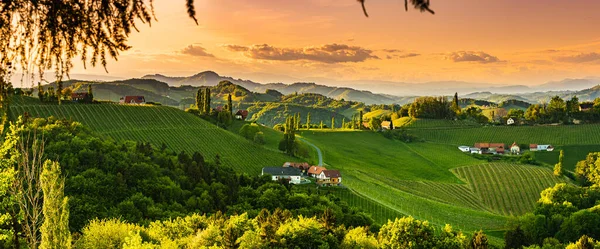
(140, 184)
(278, 229)
(565, 215)
(51, 95)
(252, 132)
(559, 110)
(288, 142)
(222, 118)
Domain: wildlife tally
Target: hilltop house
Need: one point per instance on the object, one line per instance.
(490, 148)
(387, 125)
(541, 147)
(510, 121)
(329, 178)
(241, 114)
(515, 149)
(135, 100)
(586, 106)
(79, 97)
(303, 167)
(293, 175)
(314, 171)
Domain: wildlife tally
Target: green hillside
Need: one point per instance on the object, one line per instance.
(508, 189)
(179, 130)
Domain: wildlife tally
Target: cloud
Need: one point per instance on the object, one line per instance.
(402, 56)
(236, 48)
(195, 50)
(579, 58)
(472, 56)
(329, 53)
(392, 50)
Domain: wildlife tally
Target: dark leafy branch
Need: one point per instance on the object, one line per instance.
(421, 5)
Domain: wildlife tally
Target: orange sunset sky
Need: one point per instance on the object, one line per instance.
(494, 41)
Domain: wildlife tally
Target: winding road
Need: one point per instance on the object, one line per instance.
(319, 153)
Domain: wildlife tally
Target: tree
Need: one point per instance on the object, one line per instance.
(406, 232)
(229, 104)
(421, 5)
(332, 123)
(321, 125)
(455, 107)
(328, 219)
(66, 93)
(515, 238)
(55, 228)
(206, 99)
(478, 241)
(308, 121)
(200, 100)
(288, 143)
(40, 92)
(343, 123)
(588, 171)
(558, 168)
(375, 124)
(59, 90)
(557, 109)
(90, 97)
(585, 242)
(573, 105)
(360, 120)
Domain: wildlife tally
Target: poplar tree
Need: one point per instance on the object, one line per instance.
(308, 121)
(343, 122)
(360, 121)
(321, 125)
(55, 228)
(229, 104)
(200, 100)
(332, 123)
(558, 168)
(455, 107)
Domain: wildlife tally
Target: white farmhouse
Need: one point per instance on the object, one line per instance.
(464, 148)
(510, 121)
(293, 175)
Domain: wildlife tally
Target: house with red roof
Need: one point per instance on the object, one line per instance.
(241, 114)
(132, 100)
(329, 178)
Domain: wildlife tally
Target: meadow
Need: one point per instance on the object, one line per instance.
(178, 130)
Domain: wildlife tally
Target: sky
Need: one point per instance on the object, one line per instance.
(489, 41)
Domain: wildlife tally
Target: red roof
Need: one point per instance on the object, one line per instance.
(133, 99)
(496, 145)
(243, 113)
(514, 144)
(332, 173)
(316, 170)
(219, 108)
(302, 166)
(533, 146)
(78, 95)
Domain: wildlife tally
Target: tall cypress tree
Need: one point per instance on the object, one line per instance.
(55, 228)
(455, 107)
(308, 121)
(321, 125)
(230, 104)
(200, 100)
(360, 120)
(558, 168)
(343, 122)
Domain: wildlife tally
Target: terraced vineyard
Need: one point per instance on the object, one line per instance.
(180, 131)
(508, 189)
(555, 135)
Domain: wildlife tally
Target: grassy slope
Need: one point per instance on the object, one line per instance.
(180, 131)
(406, 178)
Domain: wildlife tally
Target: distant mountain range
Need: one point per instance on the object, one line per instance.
(381, 92)
(210, 78)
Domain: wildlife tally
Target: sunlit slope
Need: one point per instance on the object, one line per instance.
(178, 130)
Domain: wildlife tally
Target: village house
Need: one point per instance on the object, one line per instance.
(541, 147)
(135, 100)
(587, 106)
(219, 108)
(303, 167)
(79, 97)
(314, 171)
(515, 149)
(510, 121)
(464, 148)
(490, 148)
(292, 175)
(329, 178)
(387, 125)
(241, 114)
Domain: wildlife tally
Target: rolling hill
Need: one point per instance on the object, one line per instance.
(178, 130)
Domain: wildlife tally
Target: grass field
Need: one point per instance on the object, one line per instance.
(573, 154)
(180, 131)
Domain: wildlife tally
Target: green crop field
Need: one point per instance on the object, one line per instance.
(508, 189)
(555, 135)
(179, 130)
(573, 154)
